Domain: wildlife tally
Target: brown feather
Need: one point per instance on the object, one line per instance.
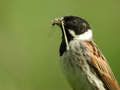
(101, 65)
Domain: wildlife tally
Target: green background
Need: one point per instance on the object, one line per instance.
(29, 45)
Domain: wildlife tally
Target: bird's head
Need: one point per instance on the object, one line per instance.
(74, 27)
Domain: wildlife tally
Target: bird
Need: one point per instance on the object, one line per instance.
(82, 62)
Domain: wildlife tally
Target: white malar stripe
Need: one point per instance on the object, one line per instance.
(84, 36)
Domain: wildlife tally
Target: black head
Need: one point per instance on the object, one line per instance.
(77, 24)
(73, 23)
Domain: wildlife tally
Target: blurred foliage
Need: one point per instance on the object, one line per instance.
(29, 45)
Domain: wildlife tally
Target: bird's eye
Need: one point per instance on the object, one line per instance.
(74, 22)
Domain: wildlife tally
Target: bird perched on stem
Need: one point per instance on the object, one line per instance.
(83, 63)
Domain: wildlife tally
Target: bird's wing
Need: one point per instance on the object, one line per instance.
(101, 67)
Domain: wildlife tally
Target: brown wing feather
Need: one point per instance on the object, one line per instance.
(103, 69)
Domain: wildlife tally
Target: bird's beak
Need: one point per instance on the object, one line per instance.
(57, 21)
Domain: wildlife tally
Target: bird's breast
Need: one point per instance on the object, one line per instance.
(74, 72)
(76, 69)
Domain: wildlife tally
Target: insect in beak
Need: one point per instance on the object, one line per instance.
(57, 21)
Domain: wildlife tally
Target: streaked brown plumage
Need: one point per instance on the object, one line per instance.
(102, 68)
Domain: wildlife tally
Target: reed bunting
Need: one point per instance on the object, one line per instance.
(82, 62)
